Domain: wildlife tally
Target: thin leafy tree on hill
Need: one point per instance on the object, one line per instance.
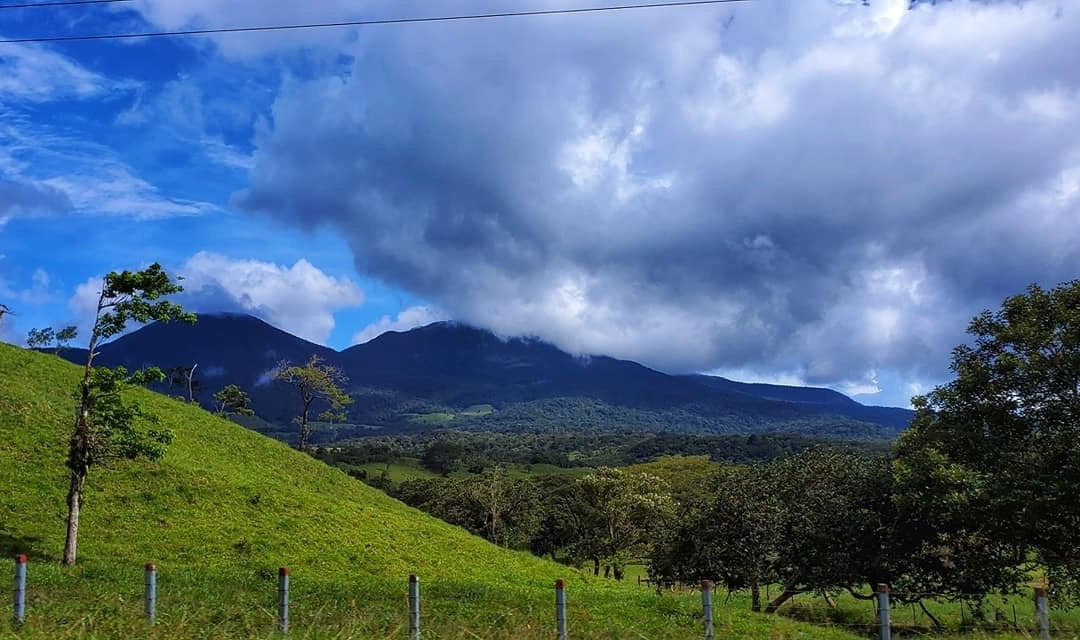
(106, 424)
(317, 381)
(232, 400)
(40, 338)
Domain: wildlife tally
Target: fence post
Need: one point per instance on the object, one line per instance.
(706, 607)
(884, 626)
(414, 607)
(20, 589)
(283, 600)
(1042, 611)
(560, 608)
(150, 594)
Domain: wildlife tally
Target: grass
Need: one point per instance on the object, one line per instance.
(398, 471)
(1006, 617)
(226, 507)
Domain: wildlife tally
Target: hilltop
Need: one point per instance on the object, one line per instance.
(440, 374)
(227, 506)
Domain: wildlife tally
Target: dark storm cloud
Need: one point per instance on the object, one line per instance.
(817, 189)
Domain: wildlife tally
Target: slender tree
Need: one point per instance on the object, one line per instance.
(104, 423)
(232, 400)
(316, 381)
(40, 338)
(184, 377)
(63, 338)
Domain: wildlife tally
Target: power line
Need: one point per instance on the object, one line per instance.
(364, 23)
(63, 3)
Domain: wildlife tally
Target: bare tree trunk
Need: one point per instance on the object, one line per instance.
(596, 566)
(755, 596)
(74, 503)
(79, 449)
(305, 430)
(190, 377)
(305, 434)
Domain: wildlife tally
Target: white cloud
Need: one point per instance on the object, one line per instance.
(410, 318)
(300, 299)
(38, 292)
(83, 304)
(34, 73)
(67, 174)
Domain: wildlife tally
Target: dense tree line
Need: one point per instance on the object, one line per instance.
(604, 520)
(446, 451)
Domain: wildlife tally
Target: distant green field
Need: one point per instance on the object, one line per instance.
(443, 418)
(398, 471)
(226, 507)
(431, 419)
(478, 410)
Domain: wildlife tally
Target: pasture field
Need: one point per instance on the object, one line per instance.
(226, 507)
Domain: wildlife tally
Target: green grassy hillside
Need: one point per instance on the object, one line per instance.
(226, 507)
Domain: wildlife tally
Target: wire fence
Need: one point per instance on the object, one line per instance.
(911, 615)
(879, 614)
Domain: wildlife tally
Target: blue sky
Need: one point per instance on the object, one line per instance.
(820, 192)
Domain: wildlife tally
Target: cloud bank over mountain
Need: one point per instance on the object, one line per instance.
(814, 188)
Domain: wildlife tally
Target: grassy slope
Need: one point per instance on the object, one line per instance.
(227, 506)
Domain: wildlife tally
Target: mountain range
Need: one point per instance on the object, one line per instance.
(451, 375)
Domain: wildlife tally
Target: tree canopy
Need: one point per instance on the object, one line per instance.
(995, 454)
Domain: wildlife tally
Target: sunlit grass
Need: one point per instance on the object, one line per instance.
(226, 507)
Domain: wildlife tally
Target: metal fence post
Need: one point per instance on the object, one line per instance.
(150, 594)
(884, 626)
(414, 607)
(560, 608)
(283, 600)
(20, 589)
(706, 608)
(1042, 612)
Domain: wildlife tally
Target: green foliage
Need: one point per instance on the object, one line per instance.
(64, 337)
(994, 455)
(623, 512)
(232, 400)
(38, 338)
(227, 506)
(592, 415)
(504, 509)
(443, 456)
(119, 426)
(137, 296)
